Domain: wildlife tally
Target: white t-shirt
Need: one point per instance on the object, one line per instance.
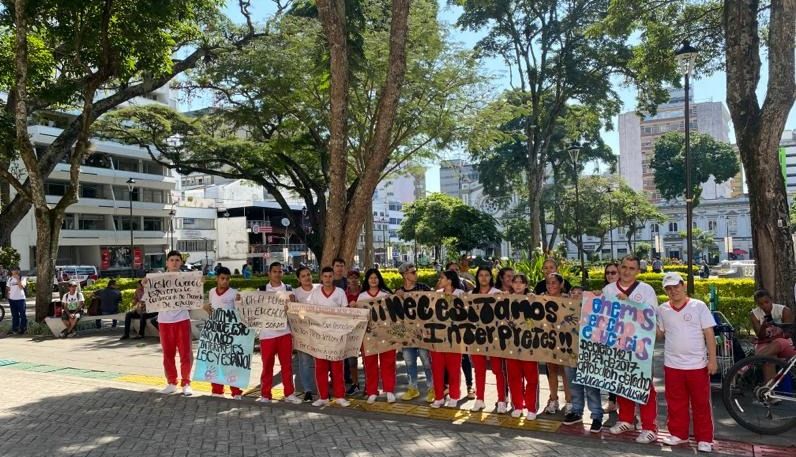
(456, 292)
(642, 293)
(223, 301)
(16, 288)
(319, 298)
(72, 301)
(684, 347)
(270, 334)
(492, 291)
(303, 295)
(367, 296)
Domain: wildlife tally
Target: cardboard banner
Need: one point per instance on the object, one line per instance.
(224, 355)
(523, 327)
(617, 342)
(325, 332)
(173, 291)
(263, 310)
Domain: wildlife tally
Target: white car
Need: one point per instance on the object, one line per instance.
(84, 274)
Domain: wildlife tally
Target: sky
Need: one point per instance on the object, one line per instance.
(712, 88)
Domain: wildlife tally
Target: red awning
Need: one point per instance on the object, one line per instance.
(738, 251)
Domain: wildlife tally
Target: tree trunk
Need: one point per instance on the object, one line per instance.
(367, 258)
(758, 131)
(48, 228)
(535, 181)
(11, 217)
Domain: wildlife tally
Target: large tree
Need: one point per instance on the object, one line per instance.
(633, 211)
(732, 35)
(708, 158)
(272, 122)
(86, 58)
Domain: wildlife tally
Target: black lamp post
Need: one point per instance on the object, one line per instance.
(611, 219)
(686, 55)
(172, 213)
(130, 187)
(574, 152)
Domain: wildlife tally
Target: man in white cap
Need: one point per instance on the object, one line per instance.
(73, 302)
(689, 360)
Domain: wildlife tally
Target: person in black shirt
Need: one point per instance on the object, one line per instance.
(338, 267)
(110, 298)
(409, 273)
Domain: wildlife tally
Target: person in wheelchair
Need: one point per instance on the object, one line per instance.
(768, 320)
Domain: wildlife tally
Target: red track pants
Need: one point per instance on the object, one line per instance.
(684, 388)
(649, 411)
(450, 363)
(176, 337)
(322, 367)
(383, 364)
(523, 384)
(281, 346)
(219, 389)
(496, 363)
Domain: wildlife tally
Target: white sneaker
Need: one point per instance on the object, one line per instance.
(371, 399)
(437, 403)
(390, 397)
(452, 403)
(218, 395)
(704, 446)
(646, 437)
(621, 427)
(169, 389)
(292, 398)
(531, 416)
(673, 440)
(478, 406)
(187, 391)
(342, 402)
(502, 407)
(567, 408)
(237, 397)
(320, 402)
(516, 413)
(263, 400)
(552, 407)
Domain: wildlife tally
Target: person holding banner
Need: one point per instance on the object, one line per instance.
(306, 363)
(447, 363)
(549, 267)
(383, 363)
(223, 297)
(554, 287)
(329, 295)
(277, 343)
(351, 365)
(519, 285)
(688, 361)
(505, 279)
(486, 286)
(409, 273)
(610, 274)
(627, 287)
(175, 336)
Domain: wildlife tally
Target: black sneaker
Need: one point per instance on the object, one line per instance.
(353, 390)
(124, 337)
(307, 397)
(596, 426)
(572, 418)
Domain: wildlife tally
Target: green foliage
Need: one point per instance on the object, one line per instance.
(9, 257)
(708, 158)
(643, 250)
(633, 211)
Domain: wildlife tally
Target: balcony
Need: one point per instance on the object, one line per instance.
(111, 237)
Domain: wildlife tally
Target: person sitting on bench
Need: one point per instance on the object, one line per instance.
(73, 308)
(138, 312)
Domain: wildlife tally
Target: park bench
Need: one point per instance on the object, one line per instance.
(198, 318)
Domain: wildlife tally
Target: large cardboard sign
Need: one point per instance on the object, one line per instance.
(263, 310)
(524, 327)
(224, 355)
(617, 342)
(173, 291)
(325, 332)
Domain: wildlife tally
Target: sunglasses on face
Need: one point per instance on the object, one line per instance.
(612, 272)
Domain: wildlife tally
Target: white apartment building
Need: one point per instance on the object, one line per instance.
(788, 150)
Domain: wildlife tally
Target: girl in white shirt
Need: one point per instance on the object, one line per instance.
(378, 364)
(523, 375)
(486, 286)
(306, 363)
(223, 297)
(449, 363)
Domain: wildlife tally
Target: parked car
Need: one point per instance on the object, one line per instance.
(84, 274)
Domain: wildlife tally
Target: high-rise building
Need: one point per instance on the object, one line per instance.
(788, 147)
(637, 137)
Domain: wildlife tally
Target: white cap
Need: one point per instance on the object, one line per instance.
(672, 279)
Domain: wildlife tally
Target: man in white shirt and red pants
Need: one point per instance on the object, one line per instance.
(329, 295)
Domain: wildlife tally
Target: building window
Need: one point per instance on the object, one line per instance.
(673, 227)
(123, 194)
(154, 168)
(195, 245)
(196, 224)
(125, 164)
(90, 190)
(55, 187)
(69, 222)
(90, 222)
(712, 225)
(123, 222)
(153, 224)
(154, 196)
(654, 228)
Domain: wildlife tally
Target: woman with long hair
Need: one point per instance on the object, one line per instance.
(519, 284)
(447, 363)
(555, 288)
(504, 277)
(610, 274)
(383, 363)
(486, 286)
(523, 375)
(549, 267)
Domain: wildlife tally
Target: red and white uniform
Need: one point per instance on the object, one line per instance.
(376, 364)
(224, 300)
(450, 363)
(273, 344)
(337, 299)
(175, 336)
(496, 363)
(686, 376)
(639, 292)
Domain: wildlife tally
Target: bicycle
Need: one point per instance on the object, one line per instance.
(760, 394)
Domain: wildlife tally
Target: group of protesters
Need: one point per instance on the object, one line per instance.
(685, 323)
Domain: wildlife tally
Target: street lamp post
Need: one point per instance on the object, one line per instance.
(574, 152)
(130, 187)
(686, 55)
(611, 219)
(172, 213)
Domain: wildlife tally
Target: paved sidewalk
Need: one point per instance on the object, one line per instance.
(56, 415)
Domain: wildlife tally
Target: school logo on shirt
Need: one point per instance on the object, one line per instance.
(687, 317)
(637, 297)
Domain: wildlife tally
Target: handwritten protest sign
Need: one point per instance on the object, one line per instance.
(617, 341)
(523, 327)
(325, 332)
(263, 310)
(173, 291)
(224, 355)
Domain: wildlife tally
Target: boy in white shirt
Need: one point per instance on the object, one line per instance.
(175, 336)
(689, 360)
(329, 295)
(277, 343)
(223, 297)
